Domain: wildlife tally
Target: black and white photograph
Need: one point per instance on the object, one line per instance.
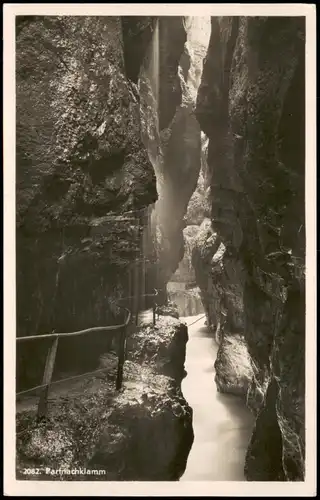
(163, 286)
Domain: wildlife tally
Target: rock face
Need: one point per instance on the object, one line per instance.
(163, 346)
(251, 106)
(143, 433)
(137, 36)
(81, 161)
(198, 209)
(172, 38)
(232, 366)
(185, 272)
(182, 288)
(151, 405)
(81, 123)
(171, 133)
(80, 157)
(188, 302)
(100, 133)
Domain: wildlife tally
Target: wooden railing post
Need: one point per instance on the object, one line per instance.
(130, 289)
(121, 357)
(154, 307)
(154, 314)
(136, 290)
(144, 246)
(47, 377)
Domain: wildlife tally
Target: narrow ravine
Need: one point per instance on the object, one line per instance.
(222, 423)
(161, 153)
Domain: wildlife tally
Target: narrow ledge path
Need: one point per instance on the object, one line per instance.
(222, 423)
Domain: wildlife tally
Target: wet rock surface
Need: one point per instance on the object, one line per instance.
(233, 368)
(251, 105)
(97, 428)
(163, 345)
(188, 302)
(80, 157)
(171, 133)
(79, 126)
(101, 132)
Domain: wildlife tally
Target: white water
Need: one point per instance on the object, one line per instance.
(222, 423)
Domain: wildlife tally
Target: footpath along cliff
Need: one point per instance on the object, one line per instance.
(81, 158)
(140, 116)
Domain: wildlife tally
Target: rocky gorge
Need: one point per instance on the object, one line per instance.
(208, 135)
(249, 258)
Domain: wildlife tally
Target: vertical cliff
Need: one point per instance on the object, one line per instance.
(251, 106)
(182, 289)
(112, 125)
(168, 84)
(80, 158)
(81, 162)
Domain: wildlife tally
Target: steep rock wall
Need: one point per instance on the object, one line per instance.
(251, 106)
(171, 133)
(137, 36)
(182, 288)
(199, 208)
(80, 157)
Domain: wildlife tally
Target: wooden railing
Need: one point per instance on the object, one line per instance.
(52, 351)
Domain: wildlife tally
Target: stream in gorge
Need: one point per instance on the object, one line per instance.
(222, 423)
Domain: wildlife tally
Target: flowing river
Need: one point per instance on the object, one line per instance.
(222, 423)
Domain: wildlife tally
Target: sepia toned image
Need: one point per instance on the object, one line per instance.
(160, 211)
